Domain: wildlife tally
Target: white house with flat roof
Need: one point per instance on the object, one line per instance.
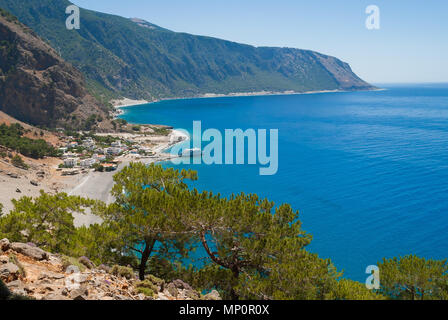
(70, 162)
(87, 163)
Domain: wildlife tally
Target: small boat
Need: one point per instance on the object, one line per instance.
(190, 152)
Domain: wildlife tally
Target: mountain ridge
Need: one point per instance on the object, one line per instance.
(134, 58)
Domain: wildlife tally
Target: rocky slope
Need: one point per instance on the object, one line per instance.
(30, 272)
(38, 87)
(137, 59)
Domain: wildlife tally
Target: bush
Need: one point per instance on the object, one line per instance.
(121, 271)
(156, 281)
(12, 137)
(147, 287)
(161, 131)
(17, 161)
(70, 261)
(146, 291)
(121, 122)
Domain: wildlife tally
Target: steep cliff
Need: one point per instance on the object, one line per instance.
(38, 87)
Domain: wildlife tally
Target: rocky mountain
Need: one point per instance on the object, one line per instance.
(137, 59)
(38, 87)
(28, 272)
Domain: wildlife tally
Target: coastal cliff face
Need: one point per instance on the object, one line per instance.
(137, 59)
(38, 87)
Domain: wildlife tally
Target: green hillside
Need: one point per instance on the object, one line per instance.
(133, 58)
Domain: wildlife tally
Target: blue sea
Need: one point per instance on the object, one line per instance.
(368, 171)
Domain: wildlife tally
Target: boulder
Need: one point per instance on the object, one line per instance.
(79, 294)
(4, 245)
(162, 296)
(86, 262)
(214, 295)
(104, 268)
(141, 296)
(29, 251)
(179, 284)
(9, 272)
(17, 287)
(16, 284)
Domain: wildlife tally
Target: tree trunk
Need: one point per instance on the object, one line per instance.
(236, 274)
(149, 245)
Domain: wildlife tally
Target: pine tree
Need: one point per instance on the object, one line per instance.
(146, 215)
(247, 236)
(46, 221)
(414, 278)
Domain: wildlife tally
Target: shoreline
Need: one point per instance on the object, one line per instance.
(234, 95)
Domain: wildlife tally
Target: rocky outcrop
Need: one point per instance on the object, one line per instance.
(29, 251)
(38, 87)
(9, 272)
(29, 271)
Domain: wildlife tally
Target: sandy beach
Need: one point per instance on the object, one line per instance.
(126, 102)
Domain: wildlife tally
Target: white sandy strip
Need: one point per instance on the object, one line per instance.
(179, 134)
(126, 102)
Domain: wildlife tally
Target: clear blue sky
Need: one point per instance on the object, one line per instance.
(411, 46)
